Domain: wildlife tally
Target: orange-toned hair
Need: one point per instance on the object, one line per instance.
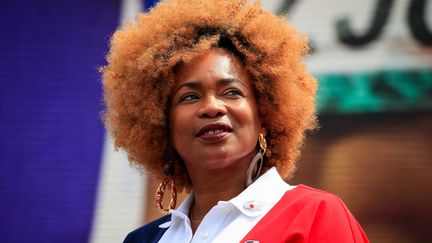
(139, 77)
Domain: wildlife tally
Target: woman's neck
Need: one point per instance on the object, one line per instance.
(210, 187)
(221, 190)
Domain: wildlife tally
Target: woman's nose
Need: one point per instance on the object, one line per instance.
(212, 107)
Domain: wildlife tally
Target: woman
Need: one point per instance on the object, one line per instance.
(213, 96)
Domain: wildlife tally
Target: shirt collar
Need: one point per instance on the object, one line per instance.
(252, 202)
(262, 194)
(181, 213)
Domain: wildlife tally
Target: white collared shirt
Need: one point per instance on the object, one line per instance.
(228, 221)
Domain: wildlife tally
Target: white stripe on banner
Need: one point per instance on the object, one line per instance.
(120, 201)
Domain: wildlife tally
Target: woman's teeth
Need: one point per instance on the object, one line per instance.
(214, 131)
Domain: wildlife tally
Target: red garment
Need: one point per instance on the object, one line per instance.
(305, 214)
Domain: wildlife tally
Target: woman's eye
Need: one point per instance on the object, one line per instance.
(234, 92)
(189, 97)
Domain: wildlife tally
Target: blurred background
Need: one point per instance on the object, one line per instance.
(62, 181)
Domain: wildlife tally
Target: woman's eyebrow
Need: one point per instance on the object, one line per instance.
(192, 85)
(198, 85)
(226, 81)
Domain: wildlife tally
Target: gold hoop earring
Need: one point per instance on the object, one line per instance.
(169, 179)
(160, 194)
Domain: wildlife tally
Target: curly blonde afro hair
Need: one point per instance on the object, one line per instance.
(140, 76)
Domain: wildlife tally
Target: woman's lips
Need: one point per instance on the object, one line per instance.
(214, 132)
(213, 137)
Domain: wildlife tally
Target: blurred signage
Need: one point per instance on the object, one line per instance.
(370, 55)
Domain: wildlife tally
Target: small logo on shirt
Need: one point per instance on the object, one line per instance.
(252, 206)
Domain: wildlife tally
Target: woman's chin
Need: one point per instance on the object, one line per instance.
(221, 160)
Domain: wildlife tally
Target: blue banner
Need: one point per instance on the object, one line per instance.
(50, 102)
(149, 4)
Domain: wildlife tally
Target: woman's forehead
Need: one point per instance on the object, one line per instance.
(215, 63)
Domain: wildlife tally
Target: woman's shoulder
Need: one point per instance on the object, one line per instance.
(309, 195)
(150, 232)
(309, 214)
(314, 201)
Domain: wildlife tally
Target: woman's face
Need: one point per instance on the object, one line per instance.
(214, 121)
